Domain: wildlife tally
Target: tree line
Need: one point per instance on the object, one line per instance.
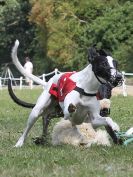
(58, 33)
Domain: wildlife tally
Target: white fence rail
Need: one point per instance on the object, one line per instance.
(21, 80)
(56, 71)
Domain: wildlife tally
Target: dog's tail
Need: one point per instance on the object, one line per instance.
(21, 68)
(17, 100)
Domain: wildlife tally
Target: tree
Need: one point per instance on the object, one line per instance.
(58, 33)
(113, 32)
(14, 25)
(67, 28)
(57, 24)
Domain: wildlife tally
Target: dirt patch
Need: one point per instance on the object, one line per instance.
(119, 90)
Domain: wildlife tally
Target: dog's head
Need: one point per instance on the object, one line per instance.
(105, 67)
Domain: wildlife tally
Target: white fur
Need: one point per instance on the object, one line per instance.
(129, 131)
(105, 103)
(84, 105)
(110, 60)
(64, 133)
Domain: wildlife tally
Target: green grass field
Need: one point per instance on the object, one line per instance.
(60, 161)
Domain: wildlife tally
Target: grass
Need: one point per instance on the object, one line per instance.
(60, 161)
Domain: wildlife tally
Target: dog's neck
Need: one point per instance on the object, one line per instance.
(86, 80)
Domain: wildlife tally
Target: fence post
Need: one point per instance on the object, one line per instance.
(56, 71)
(31, 85)
(43, 78)
(124, 89)
(21, 82)
(0, 84)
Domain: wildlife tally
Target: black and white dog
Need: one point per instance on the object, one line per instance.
(103, 95)
(79, 104)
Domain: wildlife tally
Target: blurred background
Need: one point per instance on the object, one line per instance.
(57, 33)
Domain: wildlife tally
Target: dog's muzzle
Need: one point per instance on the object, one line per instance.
(116, 80)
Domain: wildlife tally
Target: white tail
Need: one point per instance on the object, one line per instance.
(21, 68)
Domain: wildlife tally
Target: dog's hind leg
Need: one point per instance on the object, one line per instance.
(41, 106)
(53, 112)
(46, 121)
(43, 138)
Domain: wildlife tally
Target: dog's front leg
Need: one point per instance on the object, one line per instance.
(112, 134)
(110, 127)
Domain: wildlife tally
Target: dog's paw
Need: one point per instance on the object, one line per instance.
(129, 131)
(19, 143)
(40, 140)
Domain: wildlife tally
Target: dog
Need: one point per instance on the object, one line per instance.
(79, 104)
(64, 133)
(104, 95)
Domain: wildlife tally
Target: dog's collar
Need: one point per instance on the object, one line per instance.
(81, 91)
(99, 79)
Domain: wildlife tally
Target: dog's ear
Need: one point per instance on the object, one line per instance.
(102, 52)
(92, 53)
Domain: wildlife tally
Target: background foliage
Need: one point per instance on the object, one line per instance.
(57, 33)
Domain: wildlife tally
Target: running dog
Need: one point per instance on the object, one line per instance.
(103, 95)
(75, 92)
